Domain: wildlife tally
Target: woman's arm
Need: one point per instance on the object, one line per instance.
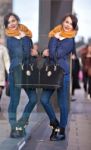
(65, 47)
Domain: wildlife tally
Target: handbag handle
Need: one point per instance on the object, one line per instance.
(48, 60)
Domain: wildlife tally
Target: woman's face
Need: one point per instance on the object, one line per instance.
(67, 24)
(12, 23)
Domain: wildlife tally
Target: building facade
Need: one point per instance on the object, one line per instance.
(5, 7)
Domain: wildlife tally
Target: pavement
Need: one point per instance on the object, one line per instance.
(80, 123)
(78, 130)
(7, 143)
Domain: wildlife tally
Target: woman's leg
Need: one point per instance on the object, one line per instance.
(63, 96)
(12, 109)
(14, 101)
(32, 95)
(45, 101)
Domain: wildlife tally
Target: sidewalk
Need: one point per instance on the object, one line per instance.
(80, 123)
(78, 130)
(7, 143)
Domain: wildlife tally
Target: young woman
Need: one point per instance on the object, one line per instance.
(19, 44)
(62, 41)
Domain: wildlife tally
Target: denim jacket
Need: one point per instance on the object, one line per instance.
(19, 50)
(62, 49)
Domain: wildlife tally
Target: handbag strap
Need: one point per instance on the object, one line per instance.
(48, 60)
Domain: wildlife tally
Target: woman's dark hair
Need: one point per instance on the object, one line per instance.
(6, 18)
(74, 20)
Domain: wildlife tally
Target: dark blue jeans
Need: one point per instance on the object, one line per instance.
(14, 101)
(62, 97)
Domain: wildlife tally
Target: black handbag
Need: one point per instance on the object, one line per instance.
(51, 76)
(26, 74)
(30, 76)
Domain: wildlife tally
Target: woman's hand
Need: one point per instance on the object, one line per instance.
(45, 53)
(34, 52)
(73, 56)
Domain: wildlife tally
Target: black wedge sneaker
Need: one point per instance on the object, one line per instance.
(55, 129)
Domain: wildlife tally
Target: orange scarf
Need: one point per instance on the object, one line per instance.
(16, 32)
(59, 28)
